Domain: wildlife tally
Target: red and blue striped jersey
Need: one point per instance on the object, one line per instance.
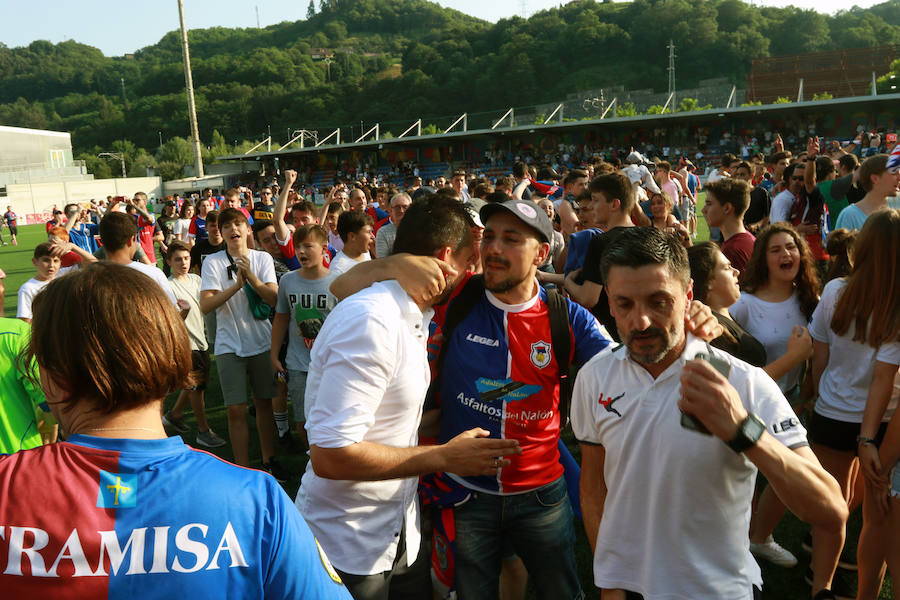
(112, 518)
(500, 373)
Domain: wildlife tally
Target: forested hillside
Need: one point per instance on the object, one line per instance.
(396, 60)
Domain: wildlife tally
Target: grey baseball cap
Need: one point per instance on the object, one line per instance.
(526, 211)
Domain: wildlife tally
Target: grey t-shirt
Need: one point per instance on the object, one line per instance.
(308, 302)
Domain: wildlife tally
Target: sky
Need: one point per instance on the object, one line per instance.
(124, 26)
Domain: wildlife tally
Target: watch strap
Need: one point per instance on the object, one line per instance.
(748, 433)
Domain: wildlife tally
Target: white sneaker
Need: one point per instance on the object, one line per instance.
(772, 551)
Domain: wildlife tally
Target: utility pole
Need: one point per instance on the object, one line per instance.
(671, 70)
(257, 17)
(189, 85)
(124, 108)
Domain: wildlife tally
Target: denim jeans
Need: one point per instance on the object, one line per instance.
(538, 525)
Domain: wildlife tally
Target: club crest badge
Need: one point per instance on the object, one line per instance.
(540, 354)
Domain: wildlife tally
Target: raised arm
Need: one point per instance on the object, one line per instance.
(809, 173)
(281, 230)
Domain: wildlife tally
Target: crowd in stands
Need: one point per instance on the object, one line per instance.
(431, 340)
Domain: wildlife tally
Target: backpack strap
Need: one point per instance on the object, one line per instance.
(458, 309)
(561, 341)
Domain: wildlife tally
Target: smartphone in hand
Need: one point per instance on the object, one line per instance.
(689, 421)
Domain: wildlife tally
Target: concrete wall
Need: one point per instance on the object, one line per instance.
(34, 203)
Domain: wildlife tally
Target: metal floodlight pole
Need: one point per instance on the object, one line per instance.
(189, 84)
(800, 91)
(115, 156)
(731, 96)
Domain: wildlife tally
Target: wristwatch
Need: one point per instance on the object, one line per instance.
(748, 433)
(863, 440)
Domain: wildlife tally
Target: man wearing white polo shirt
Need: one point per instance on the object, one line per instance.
(667, 507)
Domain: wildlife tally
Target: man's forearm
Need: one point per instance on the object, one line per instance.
(211, 301)
(360, 277)
(267, 291)
(368, 461)
(799, 481)
(279, 328)
(592, 490)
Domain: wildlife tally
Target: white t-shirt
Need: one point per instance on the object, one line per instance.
(771, 323)
(341, 262)
(844, 385)
(781, 206)
(181, 229)
(27, 292)
(678, 504)
(189, 289)
(156, 275)
(237, 331)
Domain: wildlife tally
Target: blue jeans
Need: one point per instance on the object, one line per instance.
(539, 527)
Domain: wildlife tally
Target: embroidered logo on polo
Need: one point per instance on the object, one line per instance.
(117, 490)
(540, 354)
(607, 403)
(785, 425)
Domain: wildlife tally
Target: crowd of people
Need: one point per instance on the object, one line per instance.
(433, 341)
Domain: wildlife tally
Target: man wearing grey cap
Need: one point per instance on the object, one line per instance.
(500, 373)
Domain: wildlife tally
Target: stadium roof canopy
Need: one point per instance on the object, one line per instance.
(868, 104)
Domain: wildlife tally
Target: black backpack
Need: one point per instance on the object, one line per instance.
(560, 340)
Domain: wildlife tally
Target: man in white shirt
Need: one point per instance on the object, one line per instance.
(118, 234)
(384, 240)
(367, 378)
(243, 333)
(671, 447)
(355, 229)
(781, 204)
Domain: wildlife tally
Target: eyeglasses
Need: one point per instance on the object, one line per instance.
(796, 178)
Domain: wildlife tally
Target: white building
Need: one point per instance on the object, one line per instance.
(38, 172)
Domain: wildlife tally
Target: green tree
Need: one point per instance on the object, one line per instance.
(782, 100)
(169, 170)
(655, 109)
(311, 9)
(691, 104)
(626, 109)
(176, 150)
(823, 96)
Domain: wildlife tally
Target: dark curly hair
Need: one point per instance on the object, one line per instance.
(756, 273)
